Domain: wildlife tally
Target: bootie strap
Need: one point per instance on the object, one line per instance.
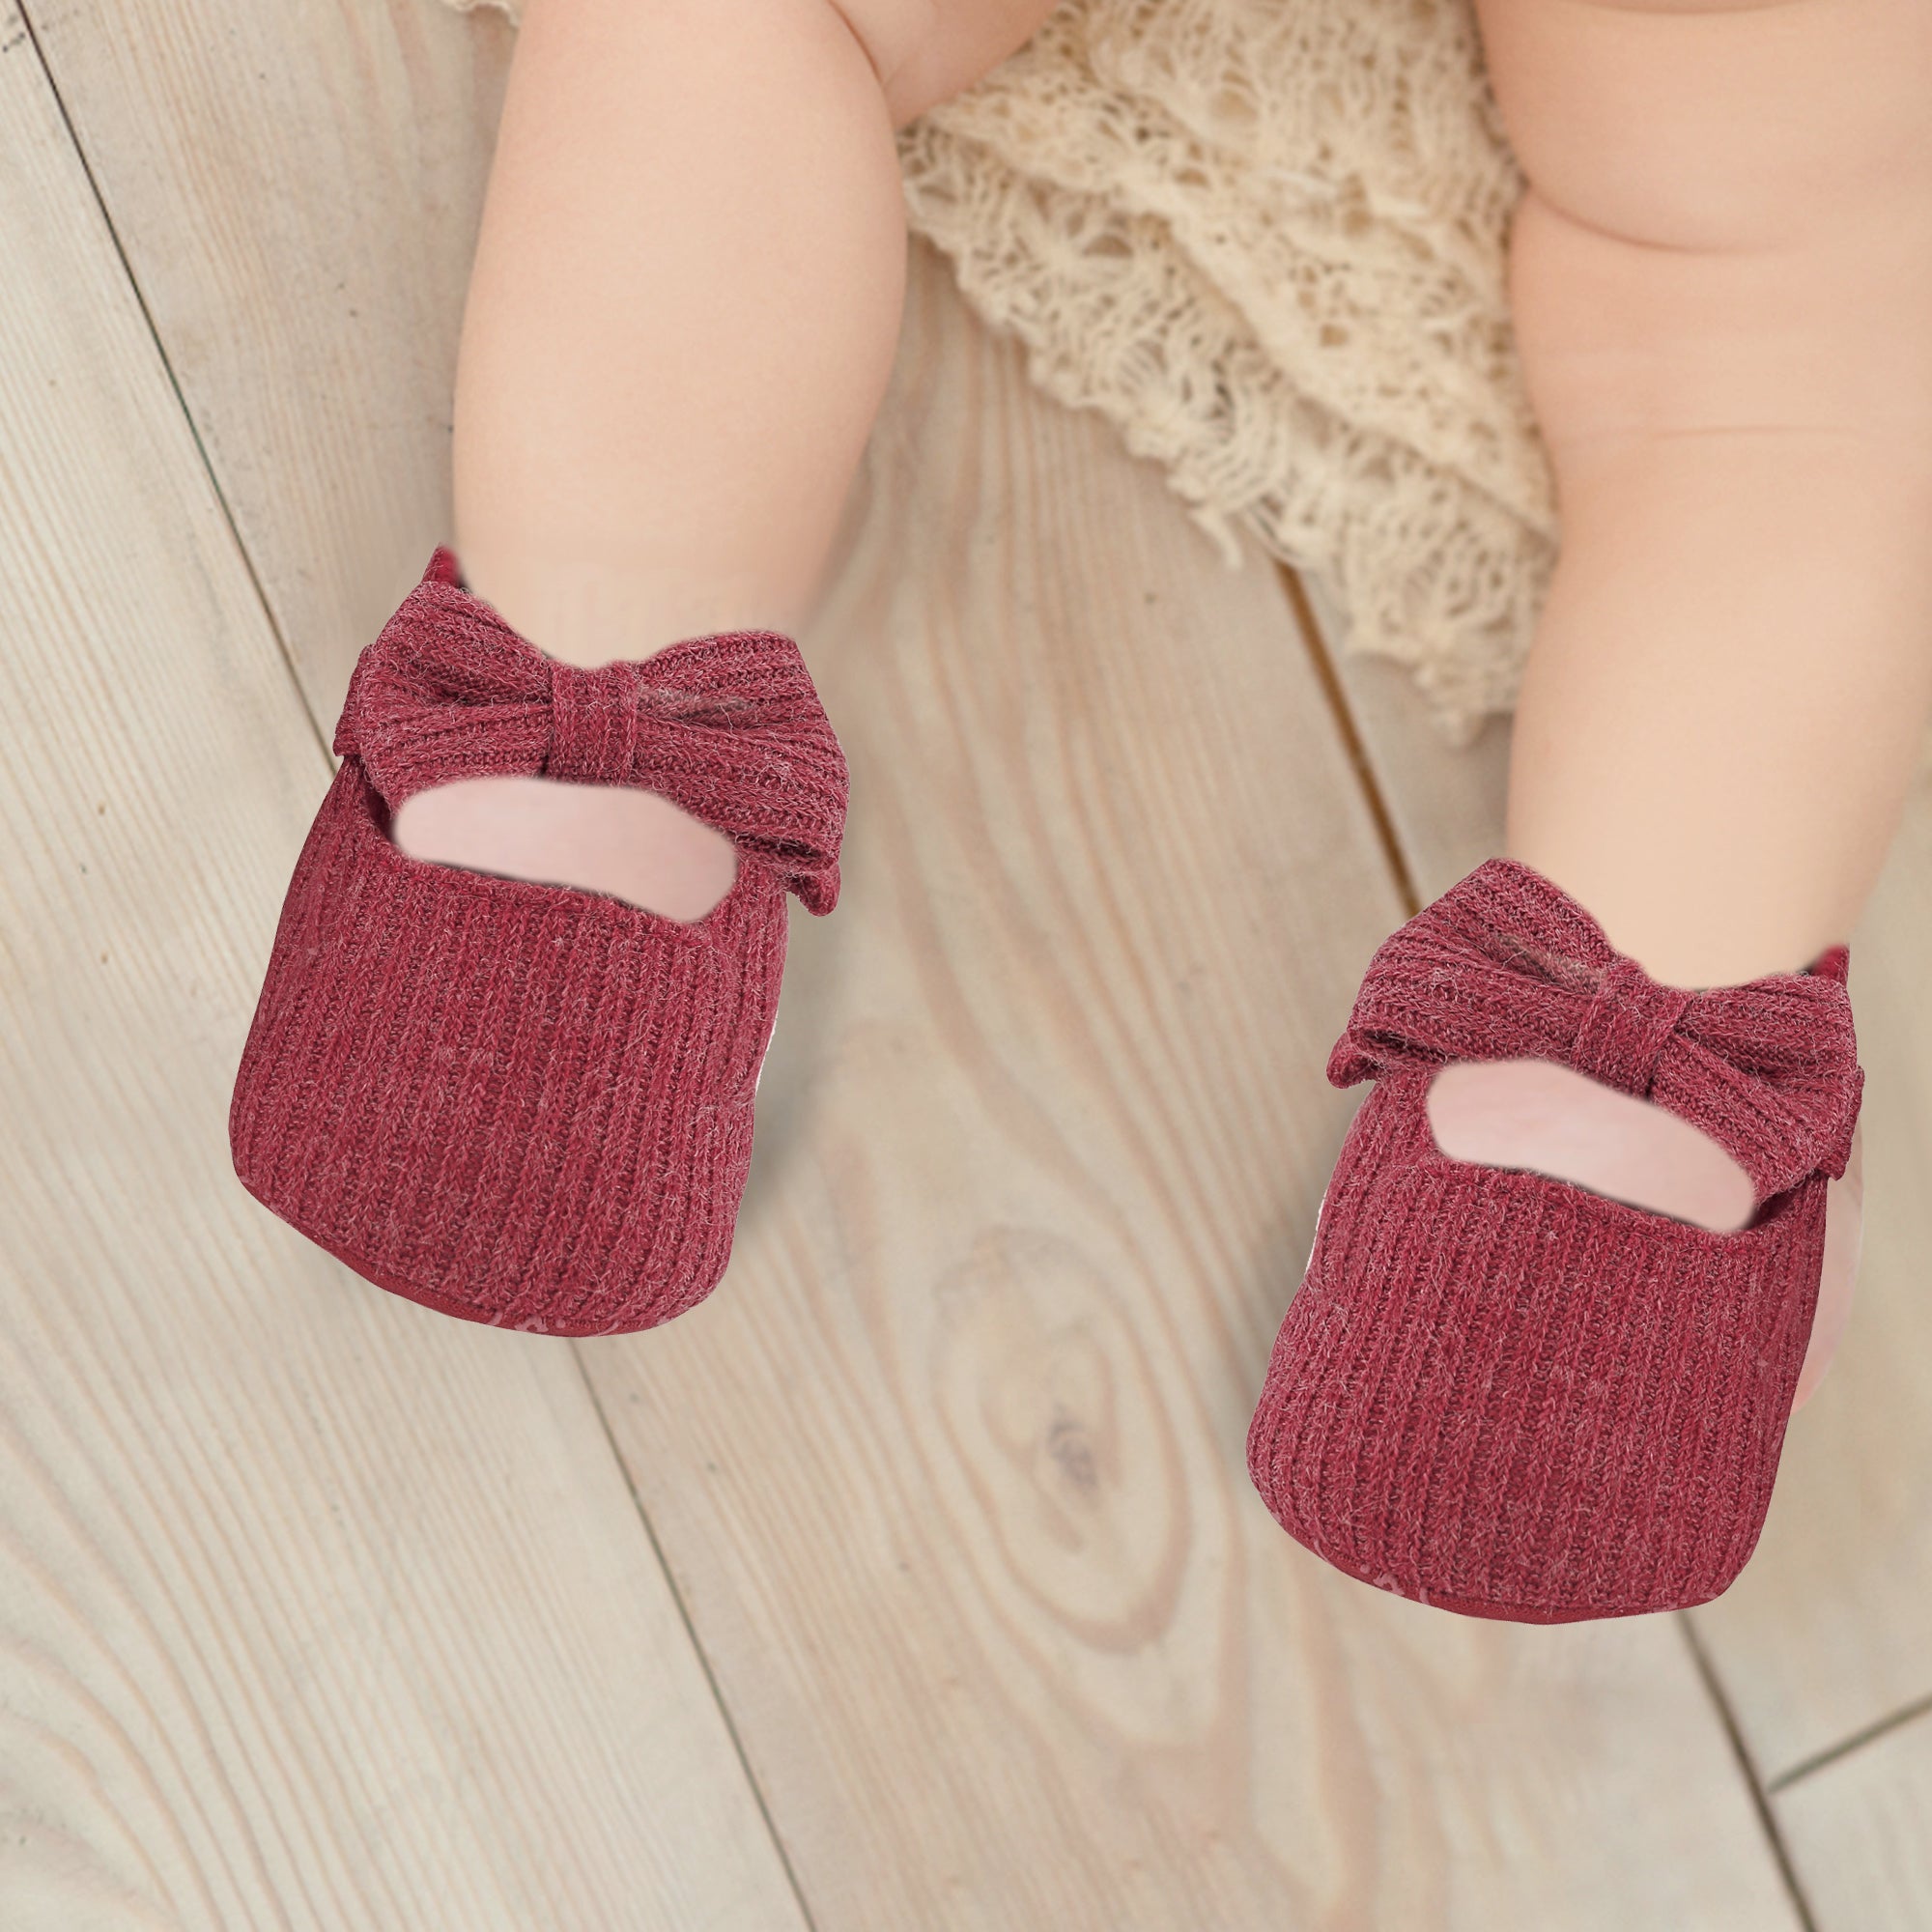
(727, 727)
(1505, 965)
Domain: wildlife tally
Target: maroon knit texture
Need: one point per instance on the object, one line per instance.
(1501, 1393)
(521, 1103)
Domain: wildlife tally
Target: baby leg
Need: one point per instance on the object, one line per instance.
(1721, 281)
(681, 318)
(1722, 291)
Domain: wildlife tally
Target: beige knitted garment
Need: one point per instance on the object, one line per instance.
(1266, 238)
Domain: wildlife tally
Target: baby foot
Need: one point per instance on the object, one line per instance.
(559, 1142)
(623, 842)
(636, 845)
(1551, 1120)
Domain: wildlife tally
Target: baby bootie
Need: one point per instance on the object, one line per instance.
(1508, 1395)
(519, 1103)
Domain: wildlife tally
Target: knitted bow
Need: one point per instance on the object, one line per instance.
(728, 726)
(1505, 966)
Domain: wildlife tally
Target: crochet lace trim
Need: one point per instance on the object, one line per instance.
(1266, 238)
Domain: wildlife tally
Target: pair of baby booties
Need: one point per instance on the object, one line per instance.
(531, 1106)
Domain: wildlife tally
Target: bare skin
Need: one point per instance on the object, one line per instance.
(634, 844)
(683, 313)
(681, 318)
(1582, 1131)
(1718, 276)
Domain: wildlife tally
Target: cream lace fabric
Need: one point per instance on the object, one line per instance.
(1266, 238)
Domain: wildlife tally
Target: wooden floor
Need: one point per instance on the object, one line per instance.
(914, 1581)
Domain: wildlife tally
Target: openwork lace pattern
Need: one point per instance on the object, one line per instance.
(1266, 238)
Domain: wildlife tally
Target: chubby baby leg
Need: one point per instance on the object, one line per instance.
(681, 318)
(1721, 281)
(1723, 292)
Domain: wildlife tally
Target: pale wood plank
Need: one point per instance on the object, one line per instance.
(951, 1468)
(319, 1610)
(299, 188)
(254, 318)
(1825, 1634)
(1444, 803)
(1858, 1833)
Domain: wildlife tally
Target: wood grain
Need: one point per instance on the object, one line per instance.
(319, 1610)
(1858, 1833)
(1444, 803)
(949, 1474)
(297, 189)
(1825, 1633)
(951, 1471)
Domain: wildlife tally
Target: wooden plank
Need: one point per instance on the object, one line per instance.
(1825, 1633)
(1444, 803)
(951, 1469)
(297, 189)
(1856, 1829)
(320, 1610)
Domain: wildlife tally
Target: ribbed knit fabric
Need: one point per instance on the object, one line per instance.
(1506, 1395)
(523, 1104)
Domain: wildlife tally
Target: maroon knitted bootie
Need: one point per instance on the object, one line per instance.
(520, 1103)
(1506, 1395)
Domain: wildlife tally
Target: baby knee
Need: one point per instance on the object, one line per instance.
(1716, 124)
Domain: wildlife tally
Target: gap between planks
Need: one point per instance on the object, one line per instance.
(323, 737)
(697, 1648)
(1879, 1727)
(1323, 661)
(1355, 740)
(1352, 738)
